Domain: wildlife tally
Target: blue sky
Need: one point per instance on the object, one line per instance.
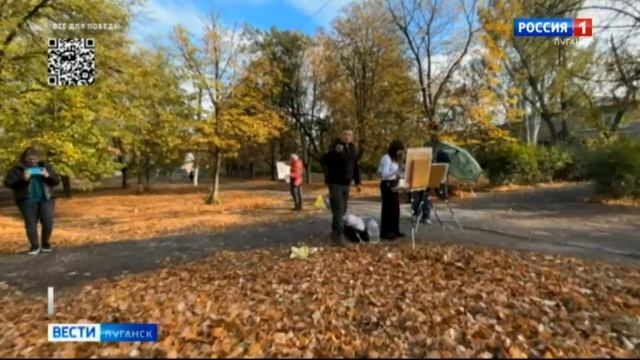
(154, 21)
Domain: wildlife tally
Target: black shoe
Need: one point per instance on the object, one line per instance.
(46, 249)
(388, 237)
(400, 235)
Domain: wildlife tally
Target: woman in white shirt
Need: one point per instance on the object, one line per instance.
(390, 172)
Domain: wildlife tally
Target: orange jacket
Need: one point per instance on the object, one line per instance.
(296, 172)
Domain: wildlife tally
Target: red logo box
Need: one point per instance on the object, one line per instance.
(582, 27)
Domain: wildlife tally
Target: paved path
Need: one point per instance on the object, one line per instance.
(545, 215)
(545, 220)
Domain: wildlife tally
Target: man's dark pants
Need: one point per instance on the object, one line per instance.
(32, 212)
(420, 203)
(338, 197)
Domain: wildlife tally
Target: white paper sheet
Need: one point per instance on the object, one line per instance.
(283, 170)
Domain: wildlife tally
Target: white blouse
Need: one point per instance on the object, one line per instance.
(388, 169)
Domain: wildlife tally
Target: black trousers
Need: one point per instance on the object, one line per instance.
(338, 197)
(297, 196)
(34, 212)
(390, 217)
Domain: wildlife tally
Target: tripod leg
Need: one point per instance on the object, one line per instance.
(433, 207)
(454, 215)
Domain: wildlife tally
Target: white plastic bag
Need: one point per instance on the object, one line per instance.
(373, 230)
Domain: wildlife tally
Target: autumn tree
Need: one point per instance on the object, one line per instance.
(372, 90)
(215, 69)
(480, 106)
(542, 70)
(616, 68)
(62, 121)
(153, 125)
(438, 35)
(291, 60)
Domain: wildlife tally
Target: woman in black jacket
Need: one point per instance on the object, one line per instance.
(32, 182)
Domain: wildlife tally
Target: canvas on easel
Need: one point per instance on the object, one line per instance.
(420, 170)
(417, 167)
(438, 174)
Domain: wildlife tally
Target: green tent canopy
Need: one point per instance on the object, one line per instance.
(463, 166)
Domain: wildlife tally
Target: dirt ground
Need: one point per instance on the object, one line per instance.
(116, 216)
(112, 214)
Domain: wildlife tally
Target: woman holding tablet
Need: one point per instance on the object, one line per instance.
(32, 182)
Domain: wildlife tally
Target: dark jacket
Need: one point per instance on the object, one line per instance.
(341, 167)
(15, 182)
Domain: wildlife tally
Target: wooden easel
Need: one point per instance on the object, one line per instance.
(438, 177)
(417, 174)
(420, 171)
(423, 174)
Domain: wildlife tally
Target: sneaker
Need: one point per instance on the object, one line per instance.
(400, 235)
(33, 251)
(46, 249)
(425, 221)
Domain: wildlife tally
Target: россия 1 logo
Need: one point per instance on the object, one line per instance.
(552, 27)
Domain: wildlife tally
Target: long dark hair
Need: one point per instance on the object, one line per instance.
(394, 148)
(30, 151)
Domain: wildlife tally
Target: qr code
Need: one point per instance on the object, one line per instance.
(71, 62)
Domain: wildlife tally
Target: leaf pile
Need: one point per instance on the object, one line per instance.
(369, 301)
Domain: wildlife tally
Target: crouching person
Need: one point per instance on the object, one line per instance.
(354, 228)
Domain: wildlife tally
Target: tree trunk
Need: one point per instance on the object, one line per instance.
(564, 132)
(147, 176)
(125, 172)
(273, 161)
(536, 129)
(140, 188)
(552, 128)
(281, 147)
(532, 128)
(213, 197)
(66, 185)
(616, 121)
(307, 170)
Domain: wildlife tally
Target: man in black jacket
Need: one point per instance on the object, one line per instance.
(32, 182)
(340, 165)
